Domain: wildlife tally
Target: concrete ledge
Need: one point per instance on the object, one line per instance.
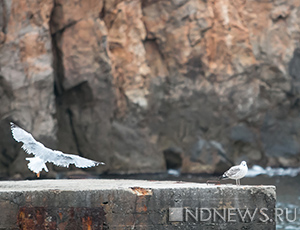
(133, 204)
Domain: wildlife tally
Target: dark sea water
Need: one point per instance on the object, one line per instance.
(288, 196)
(287, 190)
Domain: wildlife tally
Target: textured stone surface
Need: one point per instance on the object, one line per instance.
(126, 81)
(26, 77)
(129, 204)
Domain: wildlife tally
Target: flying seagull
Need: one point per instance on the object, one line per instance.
(236, 172)
(43, 154)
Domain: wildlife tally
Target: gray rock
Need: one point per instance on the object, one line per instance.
(242, 133)
(163, 73)
(279, 138)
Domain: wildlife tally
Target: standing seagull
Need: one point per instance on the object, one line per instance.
(236, 172)
(43, 154)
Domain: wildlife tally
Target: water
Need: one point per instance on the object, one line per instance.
(288, 196)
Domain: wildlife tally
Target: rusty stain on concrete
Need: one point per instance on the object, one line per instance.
(142, 199)
(35, 218)
(141, 191)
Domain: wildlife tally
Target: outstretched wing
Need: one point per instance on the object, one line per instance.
(232, 171)
(62, 159)
(31, 146)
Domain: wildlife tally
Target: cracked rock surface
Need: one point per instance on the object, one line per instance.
(209, 82)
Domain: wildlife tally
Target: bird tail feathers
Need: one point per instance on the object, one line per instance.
(36, 164)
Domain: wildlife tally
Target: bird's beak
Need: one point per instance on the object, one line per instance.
(38, 174)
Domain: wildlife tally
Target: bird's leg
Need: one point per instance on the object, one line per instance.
(38, 174)
(239, 181)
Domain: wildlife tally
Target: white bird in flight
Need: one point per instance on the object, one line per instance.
(43, 154)
(236, 172)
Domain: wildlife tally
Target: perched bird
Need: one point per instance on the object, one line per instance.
(236, 172)
(43, 154)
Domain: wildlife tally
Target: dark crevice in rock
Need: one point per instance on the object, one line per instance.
(65, 121)
(3, 22)
(195, 68)
(103, 11)
(6, 95)
(70, 116)
(3, 17)
(146, 3)
(55, 24)
(79, 95)
(57, 55)
(58, 68)
(173, 158)
(294, 65)
(9, 147)
(61, 30)
(154, 41)
(108, 15)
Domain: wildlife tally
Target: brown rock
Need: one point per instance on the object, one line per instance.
(127, 52)
(67, 13)
(86, 100)
(282, 12)
(167, 74)
(2, 37)
(26, 76)
(82, 45)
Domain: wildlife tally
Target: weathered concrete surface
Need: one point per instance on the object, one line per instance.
(127, 204)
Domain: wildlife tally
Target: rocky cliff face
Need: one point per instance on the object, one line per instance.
(143, 84)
